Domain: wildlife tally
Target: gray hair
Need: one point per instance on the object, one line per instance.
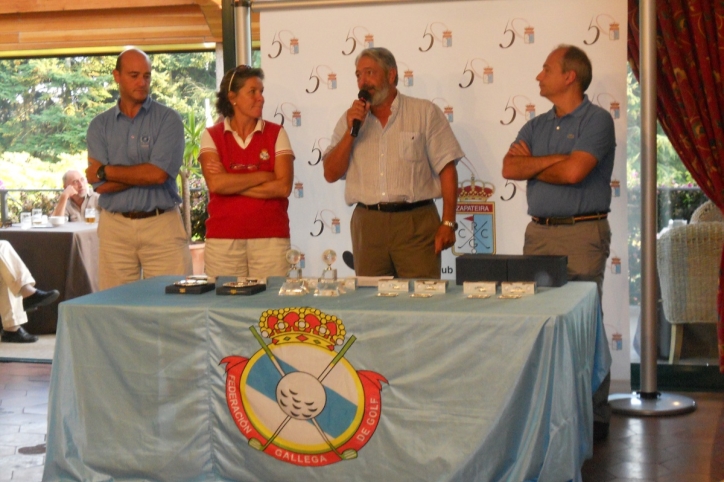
(383, 57)
(576, 60)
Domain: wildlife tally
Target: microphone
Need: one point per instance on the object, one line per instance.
(356, 124)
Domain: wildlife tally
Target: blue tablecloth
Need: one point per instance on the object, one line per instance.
(476, 390)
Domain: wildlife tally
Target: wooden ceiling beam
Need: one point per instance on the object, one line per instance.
(27, 25)
(38, 6)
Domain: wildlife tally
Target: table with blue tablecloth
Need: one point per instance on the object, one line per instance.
(154, 386)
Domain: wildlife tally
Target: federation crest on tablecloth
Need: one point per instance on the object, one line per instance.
(298, 399)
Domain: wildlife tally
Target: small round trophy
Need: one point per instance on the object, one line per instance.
(294, 284)
(328, 284)
(329, 257)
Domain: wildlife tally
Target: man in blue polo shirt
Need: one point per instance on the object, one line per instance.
(135, 151)
(567, 155)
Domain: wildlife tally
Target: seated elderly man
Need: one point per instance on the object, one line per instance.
(18, 295)
(75, 197)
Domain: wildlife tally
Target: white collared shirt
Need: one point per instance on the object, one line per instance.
(401, 161)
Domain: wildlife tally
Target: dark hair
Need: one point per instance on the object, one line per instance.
(576, 60)
(232, 81)
(383, 57)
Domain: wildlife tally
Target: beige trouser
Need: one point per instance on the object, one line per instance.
(253, 258)
(587, 246)
(396, 244)
(13, 276)
(134, 248)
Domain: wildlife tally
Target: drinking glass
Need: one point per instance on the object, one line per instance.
(26, 220)
(90, 215)
(37, 216)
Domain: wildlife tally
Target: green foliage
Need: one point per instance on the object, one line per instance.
(670, 171)
(47, 104)
(677, 195)
(191, 172)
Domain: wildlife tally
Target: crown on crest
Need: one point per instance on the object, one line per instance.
(475, 190)
(302, 325)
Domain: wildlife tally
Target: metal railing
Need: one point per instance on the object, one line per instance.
(6, 196)
(4, 216)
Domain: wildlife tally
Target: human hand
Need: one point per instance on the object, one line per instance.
(69, 191)
(519, 148)
(358, 111)
(444, 238)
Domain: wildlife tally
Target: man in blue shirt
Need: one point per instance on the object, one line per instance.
(567, 155)
(135, 151)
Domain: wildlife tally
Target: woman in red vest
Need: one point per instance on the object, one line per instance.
(248, 166)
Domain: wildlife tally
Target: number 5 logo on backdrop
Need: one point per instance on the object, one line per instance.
(477, 67)
(325, 219)
(353, 39)
(528, 32)
(436, 31)
(279, 43)
(614, 32)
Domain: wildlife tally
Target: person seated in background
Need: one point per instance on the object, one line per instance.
(76, 197)
(18, 295)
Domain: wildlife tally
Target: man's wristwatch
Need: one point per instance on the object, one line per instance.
(451, 224)
(101, 172)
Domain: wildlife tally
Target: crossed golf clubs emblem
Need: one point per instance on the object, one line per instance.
(472, 231)
(301, 396)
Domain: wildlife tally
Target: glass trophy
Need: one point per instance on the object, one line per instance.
(294, 284)
(328, 284)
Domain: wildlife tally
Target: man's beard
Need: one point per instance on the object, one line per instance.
(380, 95)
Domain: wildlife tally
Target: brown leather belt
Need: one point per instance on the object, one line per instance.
(395, 207)
(143, 214)
(570, 220)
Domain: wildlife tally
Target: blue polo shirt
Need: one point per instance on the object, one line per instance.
(589, 128)
(154, 136)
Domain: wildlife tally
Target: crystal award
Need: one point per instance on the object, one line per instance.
(294, 284)
(328, 284)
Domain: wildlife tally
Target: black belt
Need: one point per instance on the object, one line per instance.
(571, 220)
(395, 207)
(142, 214)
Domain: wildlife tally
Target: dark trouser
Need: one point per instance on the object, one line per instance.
(396, 244)
(587, 245)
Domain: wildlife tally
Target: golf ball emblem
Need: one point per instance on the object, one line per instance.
(298, 399)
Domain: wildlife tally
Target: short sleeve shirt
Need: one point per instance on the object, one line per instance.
(154, 136)
(589, 128)
(401, 161)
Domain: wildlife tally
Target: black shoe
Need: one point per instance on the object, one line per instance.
(600, 431)
(20, 336)
(39, 298)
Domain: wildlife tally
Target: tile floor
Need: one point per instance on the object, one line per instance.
(687, 448)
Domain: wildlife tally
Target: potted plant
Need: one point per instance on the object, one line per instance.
(190, 174)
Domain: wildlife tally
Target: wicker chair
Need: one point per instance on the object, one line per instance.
(688, 259)
(707, 212)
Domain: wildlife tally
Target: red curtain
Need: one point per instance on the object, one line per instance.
(690, 94)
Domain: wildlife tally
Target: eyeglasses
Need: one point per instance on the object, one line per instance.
(239, 69)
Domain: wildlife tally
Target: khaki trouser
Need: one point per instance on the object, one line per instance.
(397, 244)
(253, 258)
(587, 246)
(13, 276)
(131, 249)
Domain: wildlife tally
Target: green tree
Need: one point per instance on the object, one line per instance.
(47, 104)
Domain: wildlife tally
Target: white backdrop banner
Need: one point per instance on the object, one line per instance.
(477, 60)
